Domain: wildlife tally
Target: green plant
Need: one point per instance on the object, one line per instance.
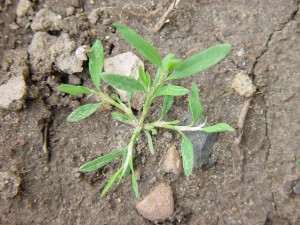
(169, 68)
(298, 163)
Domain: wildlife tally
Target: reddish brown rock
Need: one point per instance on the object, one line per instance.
(172, 162)
(158, 205)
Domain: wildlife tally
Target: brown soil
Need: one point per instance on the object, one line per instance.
(252, 185)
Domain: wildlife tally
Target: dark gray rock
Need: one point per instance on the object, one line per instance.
(202, 142)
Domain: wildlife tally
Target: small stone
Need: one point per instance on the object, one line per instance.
(158, 205)
(94, 15)
(74, 80)
(297, 188)
(46, 20)
(13, 26)
(82, 52)
(126, 64)
(138, 174)
(107, 21)
(172, 162)
(70, 11)
(9, 185)
(77, 175)
(23, 8)
(243, 85)
(13, 93)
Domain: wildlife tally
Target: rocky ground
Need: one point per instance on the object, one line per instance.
(256, 182)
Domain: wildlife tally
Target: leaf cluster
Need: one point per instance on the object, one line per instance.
(168, 68)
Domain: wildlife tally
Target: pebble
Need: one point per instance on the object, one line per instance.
(172, 162)
(297, 188)
(82, 52)
(138, 174)
(126, 64)
(158, 205)
(9, 185)
(23, 7)
(74, 80)
(243, 85)
(70, 11)
(13, 93)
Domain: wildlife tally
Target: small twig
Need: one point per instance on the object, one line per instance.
(162, 20)
(241, 121)
(45, 145)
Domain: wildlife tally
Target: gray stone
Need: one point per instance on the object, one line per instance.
(82, 52)
(297, 188)
(126, 64)
(23, 8)
(202, 142)
(12, 93)
(9, 185)
(46, 20)
(74, 80)
(172, 162)
(243, 85)
(158, 205)
(70, 11)
(94, 15)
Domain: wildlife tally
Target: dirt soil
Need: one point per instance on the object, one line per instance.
(40, 152)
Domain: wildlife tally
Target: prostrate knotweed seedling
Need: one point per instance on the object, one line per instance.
(169, 68)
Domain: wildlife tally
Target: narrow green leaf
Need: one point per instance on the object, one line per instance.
(150, 143)
(101, 161)
(143, 46)
(123, 162)
(201, 61)
(129, 97)
(187, 155)
(154, 131)
(298, 164)
(122, 82)
(83, 111)
(173, 122)
(134, 182)
(124, 118)
(171, 90)
(220, 127)
(195, 104)
(117, 98)
(144, 78)
(96, 60)
(168, 102)
(74, 90)
(170, 62)
(111, 181)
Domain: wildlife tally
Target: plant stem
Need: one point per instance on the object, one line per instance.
(177, 128)
(133, 138)
(107, 99)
